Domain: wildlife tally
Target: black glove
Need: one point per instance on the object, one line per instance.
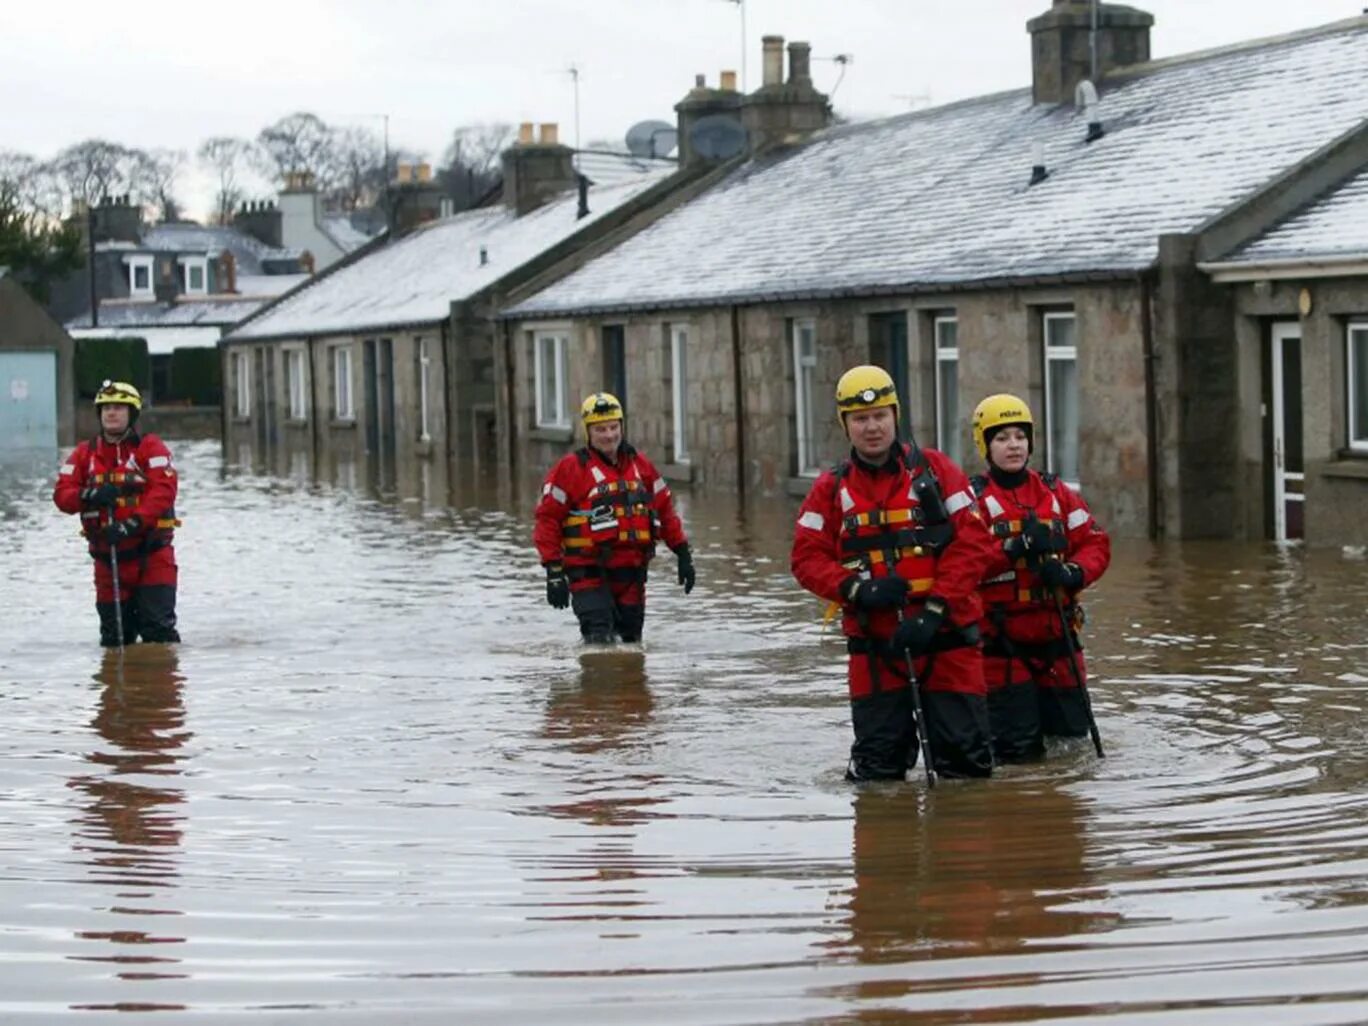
(877, 592)
(557, 586)
(98, 496)
(914, 635)
(1054, 574)
(121, 530)
(686, 567)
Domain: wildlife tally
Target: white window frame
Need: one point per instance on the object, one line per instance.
(559, 369)
(296, 382)
(1354, 402)
(947, 427)
(242, 382)
(424, 376)
(679, 390)
(1058, 354)
(344, 405)
(804, 384)
(136, 264)
(189, 264)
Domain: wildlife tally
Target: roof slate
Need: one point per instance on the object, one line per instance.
(220, 312)
(1336, 225)
(247, 251)
(942, 197)
(415, 279)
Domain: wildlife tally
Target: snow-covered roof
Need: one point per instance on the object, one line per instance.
(269, 285)
(941, 197)
(1334, 226)
(602, 168)
(415, 279)
(346, 235)
(248, 252)
(191, 312)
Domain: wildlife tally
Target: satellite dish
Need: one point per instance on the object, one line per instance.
(652, 139)
(717, 137)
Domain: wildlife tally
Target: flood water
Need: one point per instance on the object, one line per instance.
(380, 783)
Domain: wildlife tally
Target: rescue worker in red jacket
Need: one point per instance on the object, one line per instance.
(123, 486)
(1050, 549)
(893, 534)
(601, 510)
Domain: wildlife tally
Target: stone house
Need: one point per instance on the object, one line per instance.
(385, 361)
(1105, 246)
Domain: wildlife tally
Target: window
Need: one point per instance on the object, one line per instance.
(424, 376)
(242, 382)
(295, 384)
(342, 384)
(140, 277)
(948, 434)
(679, 392)
(552, 373)
(1357, 374)
(195, 271)
(805, 408)
(1061, 395)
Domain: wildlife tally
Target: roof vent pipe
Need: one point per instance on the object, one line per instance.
(1038, 170)
(484, 256)
(583, 210)
(1085, 97)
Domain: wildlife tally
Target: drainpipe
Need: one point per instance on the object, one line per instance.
(1144, 280)
(510, 411)
(311, 344)
(447, 385)
(738, 399)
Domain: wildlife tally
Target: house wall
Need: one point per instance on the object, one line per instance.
(26, 327)
(746, 436)
(1336, 484)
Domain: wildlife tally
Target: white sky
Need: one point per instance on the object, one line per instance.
(162, 74)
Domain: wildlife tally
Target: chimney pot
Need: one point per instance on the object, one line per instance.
(550, 132)
(800, 64)
(727, 82)
(700, 81)
(772, 48)
(525, 133)
(424, 172)
(404, 172)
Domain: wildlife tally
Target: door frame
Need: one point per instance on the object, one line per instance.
(1280, 333)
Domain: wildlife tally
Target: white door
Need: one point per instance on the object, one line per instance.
(1289, 477)
(28, 400)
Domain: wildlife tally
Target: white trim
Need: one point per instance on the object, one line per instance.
(1283, 331)
(1351, 372)
(242, 382)
(189, 263)
(344, 403)
(1058, 354)
(947, 427)
(679, 371)
(296, 382)
(424, 389)
(148, 264)
(804, 381)
(1229, 272)
(558, 416)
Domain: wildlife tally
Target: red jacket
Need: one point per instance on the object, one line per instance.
(1012, 593)
(596, 513)
(851, 503)
(141, 466)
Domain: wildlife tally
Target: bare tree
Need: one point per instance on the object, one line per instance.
(360, 172)
(471, 164)
(229, 159)
(89, 171)
(299, 142)
(154, 180)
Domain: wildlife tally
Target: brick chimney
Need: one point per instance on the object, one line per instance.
(261, 220)
(702, 102)
(1062, 45)
(535, 172)
(117, 219)
(784, 111)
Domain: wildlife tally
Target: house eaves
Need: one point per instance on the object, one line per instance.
(1232, 271)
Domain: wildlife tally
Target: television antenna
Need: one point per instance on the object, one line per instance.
(741, 6)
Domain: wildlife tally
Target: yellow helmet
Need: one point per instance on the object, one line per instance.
(998, 411)
(599, 407)
(865, 388)
(118, 392)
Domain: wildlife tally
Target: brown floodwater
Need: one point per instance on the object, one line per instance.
(380, 782)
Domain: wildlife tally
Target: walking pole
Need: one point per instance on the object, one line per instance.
(1078, 677)
(923, 739)
(118, 606)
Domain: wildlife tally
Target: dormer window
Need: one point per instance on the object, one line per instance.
(194, 276)
(140, 278)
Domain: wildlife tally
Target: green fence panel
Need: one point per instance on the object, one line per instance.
(98, 360)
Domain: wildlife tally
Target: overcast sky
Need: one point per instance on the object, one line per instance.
(162, 74)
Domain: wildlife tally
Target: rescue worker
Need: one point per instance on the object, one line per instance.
(892, 534)
(123, 486)
(1050, 549)
(601, 510)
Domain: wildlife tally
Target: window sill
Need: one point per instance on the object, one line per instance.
(1351, 464)
(801, 485)
(552, 434)
(297, 422)
(343, 423)
(680, 473)
(242, 418)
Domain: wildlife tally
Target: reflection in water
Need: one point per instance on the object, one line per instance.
(130, 832)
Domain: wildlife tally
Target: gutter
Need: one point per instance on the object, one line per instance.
(1145, 279)
(1224, 272)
